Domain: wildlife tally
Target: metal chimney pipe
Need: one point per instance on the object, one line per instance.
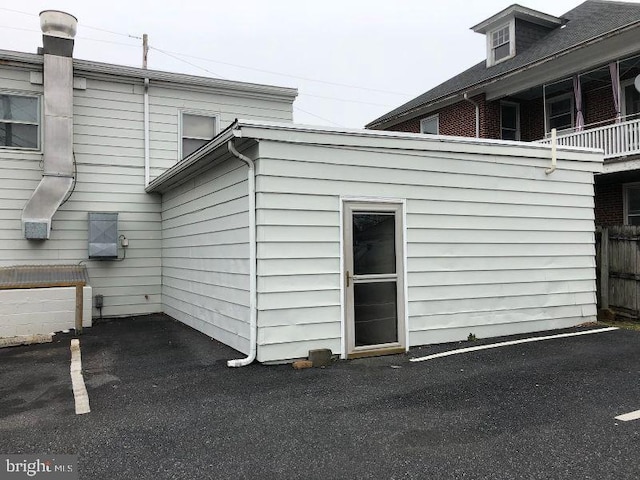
(58, 29)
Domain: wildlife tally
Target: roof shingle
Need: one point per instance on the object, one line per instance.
(587, 21)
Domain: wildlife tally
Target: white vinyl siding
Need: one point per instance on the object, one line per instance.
(494, 245)
(109, 153)
(205, 250)
(166, 105)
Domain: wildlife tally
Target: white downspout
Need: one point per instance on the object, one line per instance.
(253, 293)
(146, 133)
(466, 97)
(554, 144)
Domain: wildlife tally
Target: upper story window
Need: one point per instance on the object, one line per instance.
(501, 43)
(559, 112)
(19, 121)
(430, 125)
(509, 121)
(197, 130)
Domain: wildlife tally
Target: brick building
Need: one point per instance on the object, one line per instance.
(577, 73)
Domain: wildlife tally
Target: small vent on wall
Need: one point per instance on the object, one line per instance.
(103, 235)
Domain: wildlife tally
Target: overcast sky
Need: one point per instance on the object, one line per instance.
(391, 51)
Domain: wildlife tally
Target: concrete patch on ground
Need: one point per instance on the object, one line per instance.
(26, 340)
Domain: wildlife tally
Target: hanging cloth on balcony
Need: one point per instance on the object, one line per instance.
(577, 93)
(615, 86)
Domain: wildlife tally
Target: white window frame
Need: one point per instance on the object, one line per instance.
(625, 199)
(547, 113)
(511, 104)
(429, 119)
(623, 97)
(38, 97)
(511, 25)
(201, 113)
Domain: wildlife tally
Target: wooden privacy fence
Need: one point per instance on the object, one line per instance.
(618, 269)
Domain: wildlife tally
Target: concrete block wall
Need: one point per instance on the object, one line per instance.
(41, 310)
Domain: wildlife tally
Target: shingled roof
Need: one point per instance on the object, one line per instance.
(586, 22)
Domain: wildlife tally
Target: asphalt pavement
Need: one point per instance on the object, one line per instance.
(165, 406)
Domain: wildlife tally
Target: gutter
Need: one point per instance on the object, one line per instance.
(491, 80)
(253, 293)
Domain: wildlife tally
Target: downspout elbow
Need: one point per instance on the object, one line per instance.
(253, 312)
(475, 104)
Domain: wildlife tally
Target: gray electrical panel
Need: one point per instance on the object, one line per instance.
(103, 235)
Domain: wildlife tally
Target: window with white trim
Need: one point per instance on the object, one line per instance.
(501, 43)
(19, 121)
(630, 100)
(430, 125)
(197, 130)
(632, 204)
(560, 114)
(509, 121)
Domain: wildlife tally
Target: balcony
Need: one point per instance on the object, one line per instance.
(617, 140)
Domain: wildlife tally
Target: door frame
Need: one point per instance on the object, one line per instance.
(403, 307)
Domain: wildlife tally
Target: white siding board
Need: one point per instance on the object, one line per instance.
(205, 280)
(456, 193)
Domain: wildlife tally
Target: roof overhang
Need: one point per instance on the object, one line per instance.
(246, 133)
(176, 80)
(627, 43)
(519, 12)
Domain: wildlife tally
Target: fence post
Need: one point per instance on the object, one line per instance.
(604, 268)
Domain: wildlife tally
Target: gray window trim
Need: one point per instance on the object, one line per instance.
(38, 98)
(625, 199)
(201, 113)
(428, 119)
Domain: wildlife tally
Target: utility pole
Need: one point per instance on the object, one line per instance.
(145, 49)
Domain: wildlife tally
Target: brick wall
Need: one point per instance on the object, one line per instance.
(609, 208)
(459, 119)
(598, 104)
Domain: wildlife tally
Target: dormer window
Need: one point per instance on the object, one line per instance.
(500, 44)
(500, 31)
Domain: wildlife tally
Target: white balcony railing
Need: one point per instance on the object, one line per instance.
(617, 140)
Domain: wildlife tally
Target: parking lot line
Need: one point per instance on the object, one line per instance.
(511, 342)
(629, 416)
(80, 394)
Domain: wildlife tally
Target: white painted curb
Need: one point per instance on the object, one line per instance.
(512, 342)
(79, 390)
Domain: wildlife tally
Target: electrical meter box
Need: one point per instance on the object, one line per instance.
(103, 235)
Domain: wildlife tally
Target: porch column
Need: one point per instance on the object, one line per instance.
(577, 93)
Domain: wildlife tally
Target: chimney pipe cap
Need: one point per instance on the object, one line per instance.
(58, 24)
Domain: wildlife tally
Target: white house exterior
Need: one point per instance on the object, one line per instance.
(482, 239)
(274, 238)
(122, 139)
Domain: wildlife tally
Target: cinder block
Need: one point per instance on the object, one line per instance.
(320, 357)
